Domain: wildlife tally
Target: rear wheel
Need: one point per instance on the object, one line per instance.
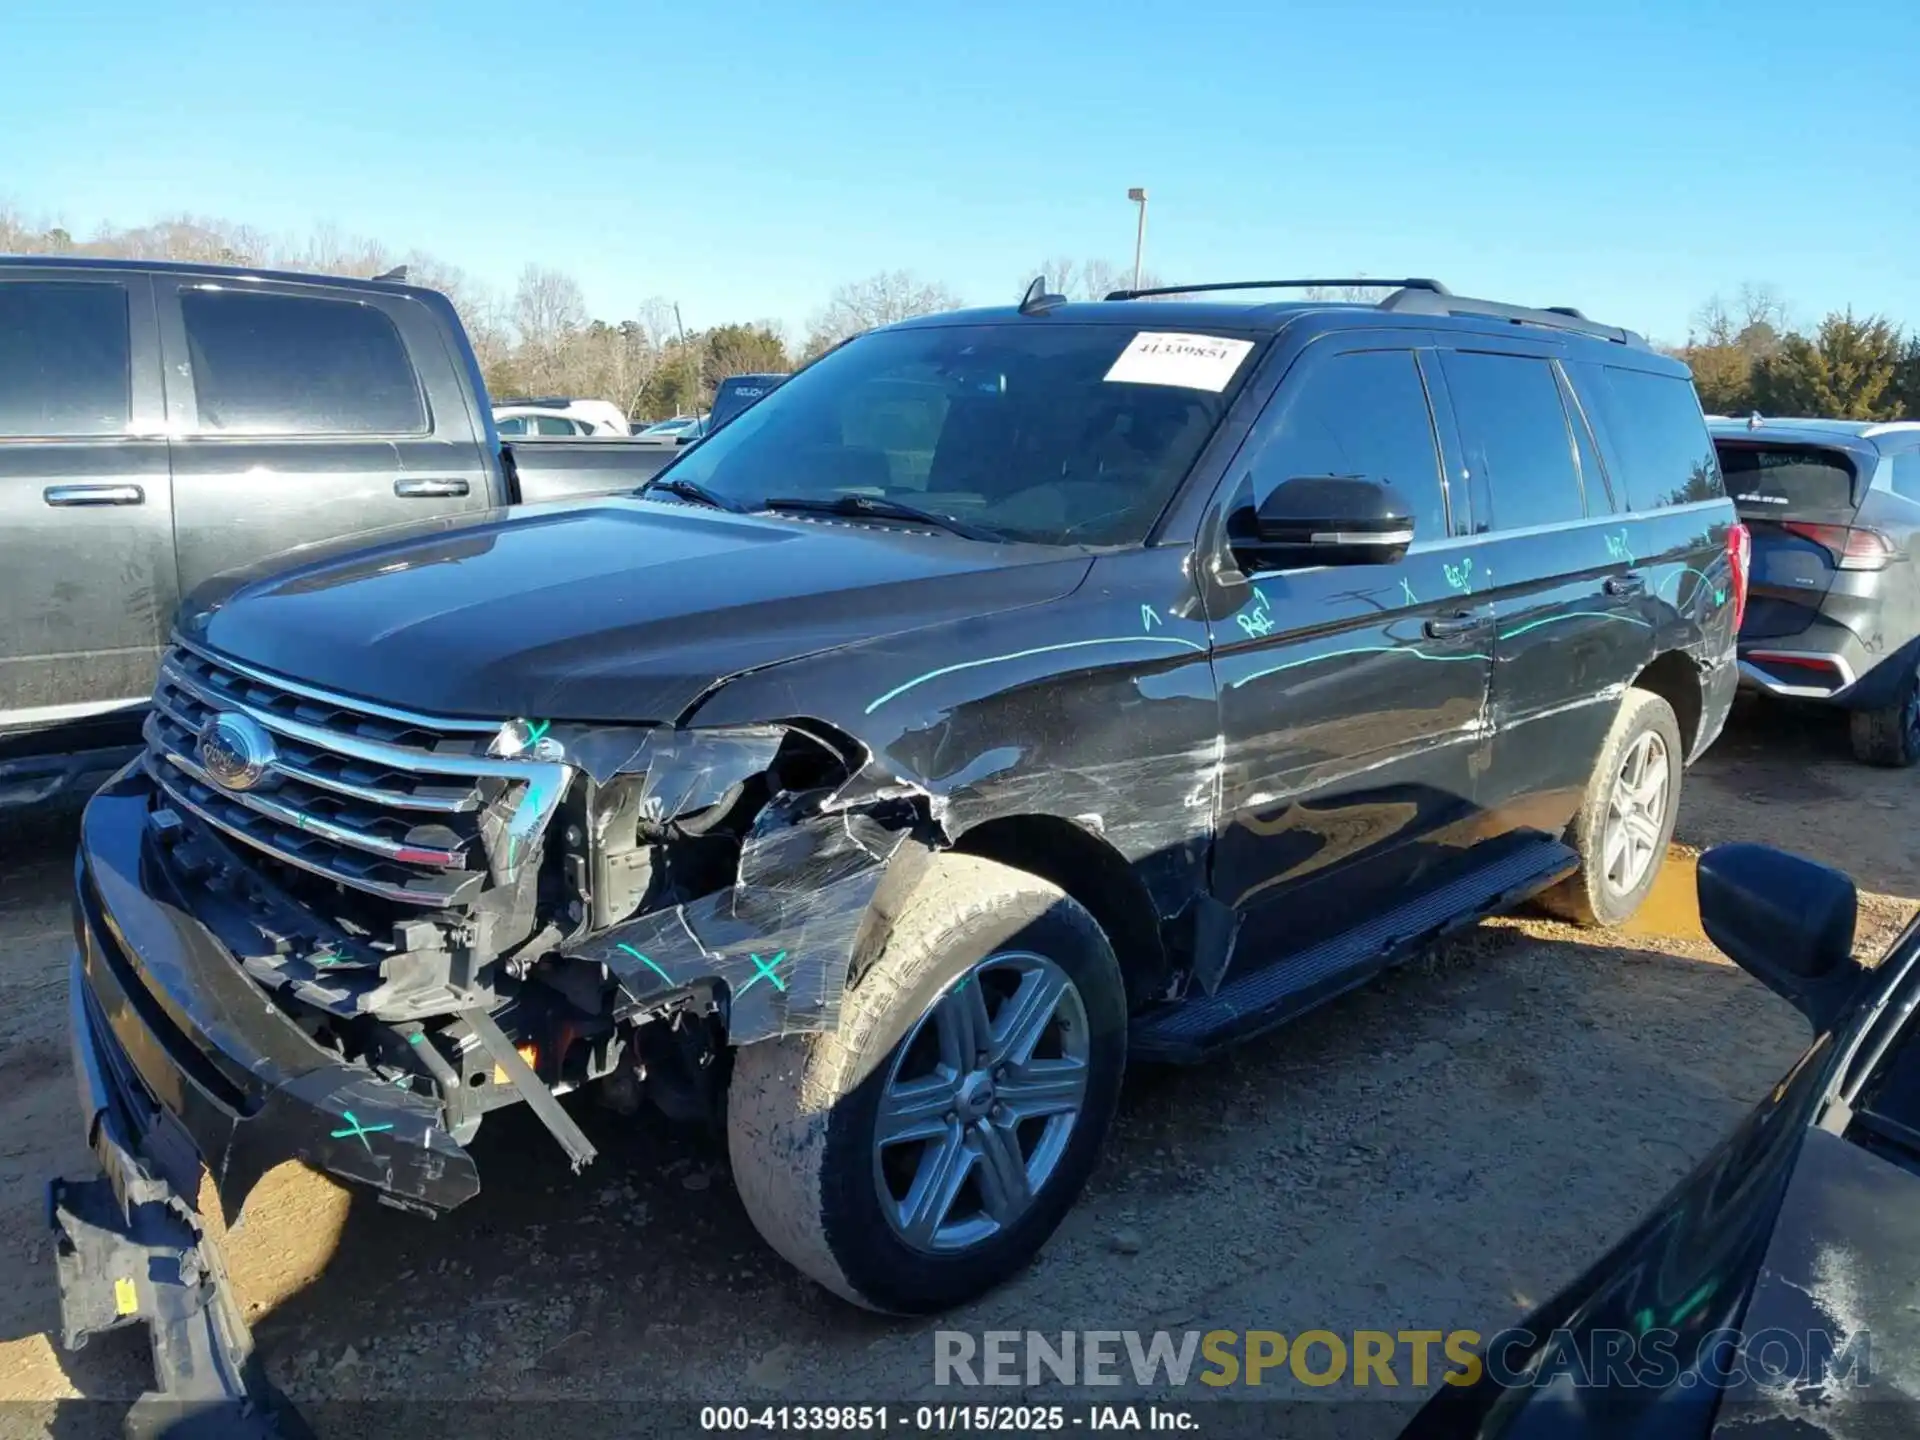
(1889, 736)
(1626, 820)
(924, 1150)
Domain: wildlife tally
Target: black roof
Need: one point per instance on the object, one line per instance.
(1166, 307)
(180, 267)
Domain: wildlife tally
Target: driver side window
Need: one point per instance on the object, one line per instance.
(1361, 412)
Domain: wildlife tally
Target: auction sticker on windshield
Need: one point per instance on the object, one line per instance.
(1197, 362)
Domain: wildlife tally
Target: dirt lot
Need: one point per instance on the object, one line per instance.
(1443, 1148)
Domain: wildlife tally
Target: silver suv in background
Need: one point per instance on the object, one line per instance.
(1833, 613)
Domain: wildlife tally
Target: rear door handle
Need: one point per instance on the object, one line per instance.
(93, 495)
(429, 489)
(1441, 627)
(1624, 585)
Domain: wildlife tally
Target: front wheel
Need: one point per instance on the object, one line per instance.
(924, 1150)
(1626, 820)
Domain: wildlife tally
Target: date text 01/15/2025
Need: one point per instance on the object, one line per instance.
(944, 1419)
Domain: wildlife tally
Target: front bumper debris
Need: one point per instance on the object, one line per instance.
(130, 1250)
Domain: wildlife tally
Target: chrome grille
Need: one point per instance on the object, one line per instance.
(378, 799)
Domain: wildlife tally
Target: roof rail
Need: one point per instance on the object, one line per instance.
(1411, 301)
(1432, 287)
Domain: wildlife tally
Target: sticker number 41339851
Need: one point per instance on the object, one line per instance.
(1195, 362)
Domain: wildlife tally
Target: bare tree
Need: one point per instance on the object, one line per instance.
(549, 313)
(877, 300)
(1090, 279)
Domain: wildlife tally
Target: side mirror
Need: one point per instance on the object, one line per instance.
(1327, 520)
(1786, 921)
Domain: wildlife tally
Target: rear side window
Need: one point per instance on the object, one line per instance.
(1515, 431)
(65, 360)
(289, 365)
(1663, 452)
(1780, 481)
(553, 425)
(1360, 413)
(1906, 474)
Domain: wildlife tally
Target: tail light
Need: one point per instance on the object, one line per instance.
(1852, 547)
(1739, 560)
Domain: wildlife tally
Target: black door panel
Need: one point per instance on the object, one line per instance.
(85, 499)
(302, 417)
(1352, 697)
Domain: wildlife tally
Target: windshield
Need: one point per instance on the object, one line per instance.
(1053, 433)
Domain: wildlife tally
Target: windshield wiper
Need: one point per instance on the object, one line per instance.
(880, 509)
(691, 490)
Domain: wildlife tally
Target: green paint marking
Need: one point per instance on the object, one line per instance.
(1693, 1302)
(1406, 589)
(534, 732)
(1149, 617)
(1576, 615)
(644, 960)
(356, 1130)
(417, 1038)
(1355, 650)
(1642, 1321)
(763, 970)
(918, 680)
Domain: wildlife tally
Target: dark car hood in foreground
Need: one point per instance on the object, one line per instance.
(624, 610)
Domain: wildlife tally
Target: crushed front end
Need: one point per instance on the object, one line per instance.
(314, 928)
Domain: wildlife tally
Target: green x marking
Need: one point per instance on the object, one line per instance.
(763, 970)
(355, 1128)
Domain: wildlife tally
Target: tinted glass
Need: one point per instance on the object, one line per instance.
(1015, 428)
(736, 393)
(1777, 482)
(1357, 414)
(1515, 432)
(513, 425)
(286, 365)
(65, 364)
(1601, 490)
(1660, 440)
(553, 425)
(1906, 474)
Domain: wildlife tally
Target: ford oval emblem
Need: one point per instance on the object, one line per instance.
(235, 751)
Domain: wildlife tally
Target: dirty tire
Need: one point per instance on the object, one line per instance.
(1585, 897)
(1889, 736)
(801, 1108)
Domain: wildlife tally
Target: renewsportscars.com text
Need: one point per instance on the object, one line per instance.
(1388, 1359)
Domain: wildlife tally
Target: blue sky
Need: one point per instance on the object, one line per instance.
(743, 158)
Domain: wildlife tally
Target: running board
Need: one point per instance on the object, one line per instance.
(1253, 1003)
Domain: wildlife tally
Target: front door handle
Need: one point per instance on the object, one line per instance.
(429, 489)
(1443, 626)
(93, 495)
(1624, 585)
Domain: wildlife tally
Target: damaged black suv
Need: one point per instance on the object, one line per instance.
(1009, 695)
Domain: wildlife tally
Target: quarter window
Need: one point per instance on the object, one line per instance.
(290, 365)
(1515, 432)
(1659, 438)
(65, 360)
(1906, 474)
(1358, 413)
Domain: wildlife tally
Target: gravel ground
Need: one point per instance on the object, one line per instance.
(1441, 1149)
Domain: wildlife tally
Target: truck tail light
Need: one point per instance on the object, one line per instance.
(1739, 562)
(1852, 547)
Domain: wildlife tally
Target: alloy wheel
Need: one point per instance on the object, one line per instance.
(982, 1098)
(1637, 813)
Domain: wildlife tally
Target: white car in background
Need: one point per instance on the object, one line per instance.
(559, 415)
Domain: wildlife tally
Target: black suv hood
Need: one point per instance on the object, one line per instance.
(624, 610)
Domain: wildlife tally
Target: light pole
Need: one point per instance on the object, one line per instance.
(1139, 197)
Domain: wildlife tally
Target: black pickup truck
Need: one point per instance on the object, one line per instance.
(1008, 697)
(161, 423)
